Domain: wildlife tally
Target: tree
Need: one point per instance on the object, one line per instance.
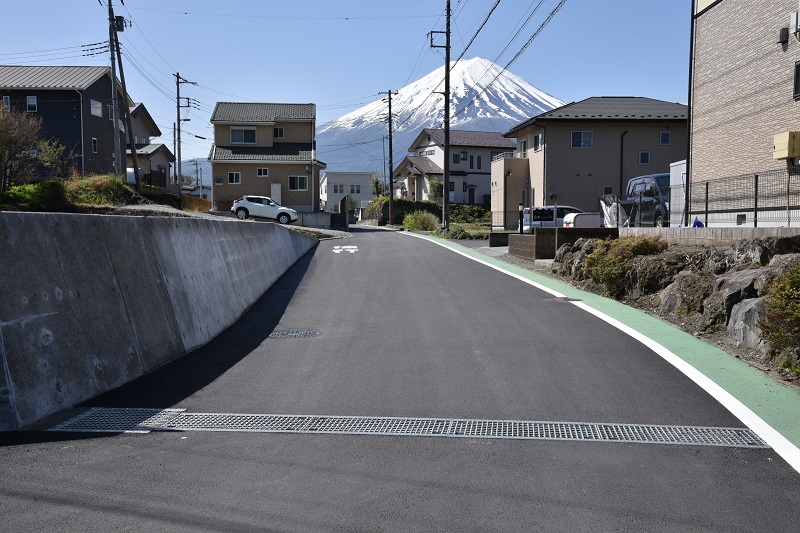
(55, 159)
(435, 187)
(20, 135)
(378, 183)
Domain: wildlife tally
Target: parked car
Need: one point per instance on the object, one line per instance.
(649, 197)
(543, 216)
(262, 207)
(583, 220)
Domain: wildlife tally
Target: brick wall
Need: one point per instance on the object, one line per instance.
(743, 87)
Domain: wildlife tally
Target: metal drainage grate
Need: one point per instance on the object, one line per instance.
(293, 334)
(118, 420)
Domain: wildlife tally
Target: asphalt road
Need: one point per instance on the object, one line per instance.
(403, 328)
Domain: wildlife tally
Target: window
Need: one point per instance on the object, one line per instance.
(234, 178)
(32, 104)
(96, 108)
(666, 138)
(243, 135)
(338, 188)
(456, 158)
(471, 162)
(278, 132)
(94, 145)
(452, 186)
(298, 183)
(538, 142)
(644, 158)
(581, 139)
(7, 103)
(110, 113)
(463, 156)
(797, 81)
(262, 172)
(355, 189)
(479, 162)
(523, 148)
(464, 187)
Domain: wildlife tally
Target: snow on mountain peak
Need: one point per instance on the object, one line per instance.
(484, 97)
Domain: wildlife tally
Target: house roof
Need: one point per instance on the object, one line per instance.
(417, 166)
(50, 77)
(226, 112)
(151, 149)
(483, 139)
(283, 152)
(618, 108)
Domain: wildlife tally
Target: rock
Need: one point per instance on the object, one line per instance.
(729, 289)
(743, 324)
(685, 295)
(751, 251)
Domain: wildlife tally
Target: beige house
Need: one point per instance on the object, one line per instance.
(745, 113)
(265, 149)
(471, 153)
(574, 154)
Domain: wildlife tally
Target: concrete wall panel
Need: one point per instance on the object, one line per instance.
(88, 303)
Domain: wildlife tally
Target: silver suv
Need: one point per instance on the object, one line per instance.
(262, 207)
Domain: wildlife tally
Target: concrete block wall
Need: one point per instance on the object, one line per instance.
(710, 236)
(90, 302)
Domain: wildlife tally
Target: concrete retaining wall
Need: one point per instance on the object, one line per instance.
(90, 302)
(710, 236)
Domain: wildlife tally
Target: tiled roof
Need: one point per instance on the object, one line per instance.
(621, 108)
(151, 149)
(49, 77)
(424, 164)
(261, 112)
(288, 152)
(484, 139)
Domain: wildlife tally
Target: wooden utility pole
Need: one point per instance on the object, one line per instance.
(119, 25)
(391, 163)
(446, 184)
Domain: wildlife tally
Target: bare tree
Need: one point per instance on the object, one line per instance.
(20, 134)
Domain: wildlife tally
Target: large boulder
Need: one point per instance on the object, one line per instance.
(729, 289)
(743, 324)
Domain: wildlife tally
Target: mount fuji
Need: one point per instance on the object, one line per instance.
(484, 98)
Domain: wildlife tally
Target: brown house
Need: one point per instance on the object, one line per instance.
(574, 154)
(265, 149)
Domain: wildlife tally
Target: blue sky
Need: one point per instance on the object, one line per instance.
(339, 54)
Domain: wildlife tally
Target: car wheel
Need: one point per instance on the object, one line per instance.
(283, 218)
(241, 213)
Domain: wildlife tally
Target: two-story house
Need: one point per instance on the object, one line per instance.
(334, 186)
(745, 113)
(574, 154)
(75, 104)
(154, 159)
(471, 153)
(265, 149)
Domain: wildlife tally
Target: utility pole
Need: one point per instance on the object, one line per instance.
(114, 102)
(446, 184)
(119, 25)
(178, 80)
(391, 163)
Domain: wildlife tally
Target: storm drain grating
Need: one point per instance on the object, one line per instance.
(118, 420)
(293, 334)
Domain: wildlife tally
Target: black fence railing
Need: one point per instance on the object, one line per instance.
(770, 198)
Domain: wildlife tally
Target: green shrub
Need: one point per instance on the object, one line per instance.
(98, 190)
(781, 327)
(378, 209)
(421, 221)
(470, 214)
(610, 261)
(45, 195)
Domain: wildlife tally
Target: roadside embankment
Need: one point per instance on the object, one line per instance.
(90, 302)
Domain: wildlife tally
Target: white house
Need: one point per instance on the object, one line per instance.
(333, 186)
(471, 154)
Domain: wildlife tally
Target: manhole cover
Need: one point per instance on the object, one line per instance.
(293, 334)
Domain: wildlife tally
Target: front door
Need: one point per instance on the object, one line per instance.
(472, 196)
(275, 193)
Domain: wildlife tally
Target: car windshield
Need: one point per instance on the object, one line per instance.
(663, 181)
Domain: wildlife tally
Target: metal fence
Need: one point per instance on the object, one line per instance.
(764, 199)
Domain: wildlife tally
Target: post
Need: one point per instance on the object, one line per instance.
(446, 204)
(521, 209)
(114, 101)
(179, 177)
(128, 123)
(706, 206)
(755, 204)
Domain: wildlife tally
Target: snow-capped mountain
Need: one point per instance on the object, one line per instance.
(484, 98)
